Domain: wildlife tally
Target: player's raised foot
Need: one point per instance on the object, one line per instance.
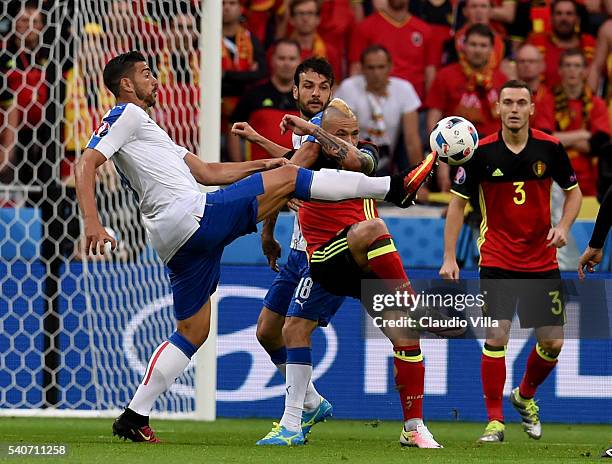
(405, 185)
(280, 436)
(493, 432)
(319, 414)
(528, 409)
(127, 429)
(420, 437)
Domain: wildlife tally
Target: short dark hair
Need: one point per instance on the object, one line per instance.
(482, 30)
(118, 67)
(515, 84)
(573, 52)
(315, 64)
(373, 49)
(554, 4)
(293, 4)
(284, 41)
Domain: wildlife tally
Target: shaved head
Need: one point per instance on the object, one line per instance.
(337, 110)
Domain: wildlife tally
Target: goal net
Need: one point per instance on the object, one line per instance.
(76, 333)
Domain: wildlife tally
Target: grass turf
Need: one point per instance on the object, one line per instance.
(232, 440)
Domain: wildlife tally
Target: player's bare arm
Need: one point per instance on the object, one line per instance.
(347, 155)
(593, 254)
(452, 228)
(85, 177)
(246, 131)
(227, 173)
(557, 236)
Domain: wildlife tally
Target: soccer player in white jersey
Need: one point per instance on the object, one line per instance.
(188, 228)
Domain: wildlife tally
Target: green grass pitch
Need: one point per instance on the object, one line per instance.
(336, 441)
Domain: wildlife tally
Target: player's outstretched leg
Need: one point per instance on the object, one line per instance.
(335, 185)
(542, 360)
(168, 361)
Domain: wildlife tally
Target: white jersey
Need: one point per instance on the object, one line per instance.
(151, 165)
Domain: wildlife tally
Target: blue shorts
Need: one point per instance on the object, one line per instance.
(293, 293)
(194, 269)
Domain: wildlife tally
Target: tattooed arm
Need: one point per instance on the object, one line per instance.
(346, 155)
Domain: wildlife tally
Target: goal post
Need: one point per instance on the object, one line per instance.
(75, 333)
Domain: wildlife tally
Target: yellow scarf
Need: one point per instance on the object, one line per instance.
(562, 113)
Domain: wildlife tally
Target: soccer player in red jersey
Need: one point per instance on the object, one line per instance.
(513, 172)
(347, 242)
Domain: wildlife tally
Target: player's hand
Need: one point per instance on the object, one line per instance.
(294, 204)
(297, 125)
(274, 163)
(271, 250)
(590, 258)
(557, 237)
(449, 270)
(96, 237)
(245, 131)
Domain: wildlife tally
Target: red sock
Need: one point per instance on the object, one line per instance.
(493, 374)
(539, 365)
(384, 259)
(409, 372)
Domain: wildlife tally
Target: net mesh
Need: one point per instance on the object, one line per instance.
(76, 333)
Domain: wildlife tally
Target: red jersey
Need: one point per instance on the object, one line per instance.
(321, 221)
(551, 51)
(514, 193)
(408, 43)
(452, 93)
(544, 114)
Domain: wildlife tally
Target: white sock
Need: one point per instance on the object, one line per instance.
(298, 377)
(312, 399)
(411, 424)
(166, 364)
(334, 185)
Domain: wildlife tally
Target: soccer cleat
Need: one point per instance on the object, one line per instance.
(319, 414)
(405, 185)
(528, 409)
(127, 430)
(493, 433)
(421, 437)
(280, 436)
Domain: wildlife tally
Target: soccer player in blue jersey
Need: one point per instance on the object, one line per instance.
(189, 228)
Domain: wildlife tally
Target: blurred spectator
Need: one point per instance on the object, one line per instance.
(479, 12)
(582, 122)
(263, 17)
(178, 73)
(563, 36)
(530, 66)
(468, 88)
(385, 107)
(304, 18)
(407, 38)
(602, 64)
(264, 105)
(242, 61)
(512, 19)
(22, 66)
(438, 14)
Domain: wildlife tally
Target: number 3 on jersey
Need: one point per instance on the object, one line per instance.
(520, 198)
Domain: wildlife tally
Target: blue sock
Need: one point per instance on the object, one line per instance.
(301, 355)
(278, 356)
(183, 344)
(303, 182)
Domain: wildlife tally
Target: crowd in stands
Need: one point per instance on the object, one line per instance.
(400, 64)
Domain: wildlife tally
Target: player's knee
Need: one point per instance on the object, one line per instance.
(373, 228)
(296, 332)
(267, 336)
(552, 347)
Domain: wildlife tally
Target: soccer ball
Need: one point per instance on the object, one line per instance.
(454, 139)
